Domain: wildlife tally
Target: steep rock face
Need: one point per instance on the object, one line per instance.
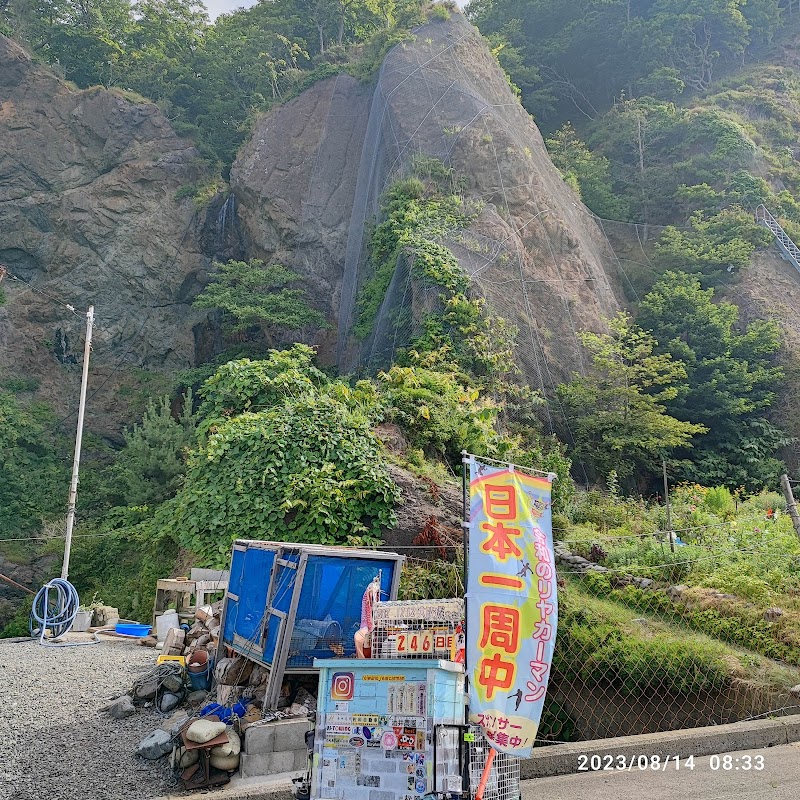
(88, 216)
(311, 178)
(295, 181)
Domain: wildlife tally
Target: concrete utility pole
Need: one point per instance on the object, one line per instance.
(73, 486)
(791, 506)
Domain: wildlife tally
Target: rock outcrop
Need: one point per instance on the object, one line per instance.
(311, 177)
(88, 215)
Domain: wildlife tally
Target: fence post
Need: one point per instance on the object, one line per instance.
(669, 510)
(790, 504)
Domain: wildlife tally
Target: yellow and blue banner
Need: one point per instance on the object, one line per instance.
(512, 604)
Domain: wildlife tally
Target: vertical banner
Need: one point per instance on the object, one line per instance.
(512, 608)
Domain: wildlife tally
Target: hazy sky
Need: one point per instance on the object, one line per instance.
(217, 7)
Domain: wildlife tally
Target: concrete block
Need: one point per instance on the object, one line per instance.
(267, 763)
(259, 739)
(290, 734)
(301, 759)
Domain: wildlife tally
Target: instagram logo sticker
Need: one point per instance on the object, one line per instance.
(342, 686)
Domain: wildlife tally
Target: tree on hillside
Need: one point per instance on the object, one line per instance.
(252, 294)
(294, 455)
(591, 52)
(617, 415)
(590, 171)
(731, 380)
(33, 467)
(149, 468)
(160, 46)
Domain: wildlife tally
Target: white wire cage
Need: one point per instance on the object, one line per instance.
(503, 780)
(416, 628)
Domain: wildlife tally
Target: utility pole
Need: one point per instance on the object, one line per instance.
(791, 506)
(669, 510)
(73, 486)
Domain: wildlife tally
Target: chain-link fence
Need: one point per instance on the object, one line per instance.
(646, 643)
(637, 655)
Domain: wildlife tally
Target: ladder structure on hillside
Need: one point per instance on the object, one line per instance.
(789, 250)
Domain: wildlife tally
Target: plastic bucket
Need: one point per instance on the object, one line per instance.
(167, 620)
(200, 681)
(198, 661)
(83, 621)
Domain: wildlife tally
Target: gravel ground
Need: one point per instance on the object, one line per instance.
(56, 744)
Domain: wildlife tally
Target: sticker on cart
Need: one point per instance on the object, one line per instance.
(407, 739)
(421, 786)
(389, 741)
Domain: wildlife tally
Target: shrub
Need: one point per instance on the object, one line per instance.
(719, 500)
(438, 413)
(307, 470)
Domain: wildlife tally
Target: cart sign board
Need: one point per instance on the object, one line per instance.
(512, 608)
(387, 729)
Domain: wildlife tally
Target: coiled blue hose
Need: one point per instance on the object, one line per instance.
(54, 609)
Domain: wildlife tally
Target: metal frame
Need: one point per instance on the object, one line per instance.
(789, 250)
(282, 642)
(255, 650)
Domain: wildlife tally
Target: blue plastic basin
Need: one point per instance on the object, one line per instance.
(132, 629)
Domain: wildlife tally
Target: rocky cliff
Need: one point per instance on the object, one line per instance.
(88, 215)
(309, 182)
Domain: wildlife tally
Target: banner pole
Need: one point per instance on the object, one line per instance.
(465, 514)
(465, 771)
(487, 770)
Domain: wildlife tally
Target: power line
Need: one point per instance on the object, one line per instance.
(6, 272)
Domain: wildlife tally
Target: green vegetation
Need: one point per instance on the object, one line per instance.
(683, 383)
(731, 380)
(34, 469)
(211, 79)
(745, 549)
(589, 52)
(640, 125)
(149, 469)
(302, 463)
(618, 414)
(655, 120)
(602, 646)
(586, 172)
(252, 294)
